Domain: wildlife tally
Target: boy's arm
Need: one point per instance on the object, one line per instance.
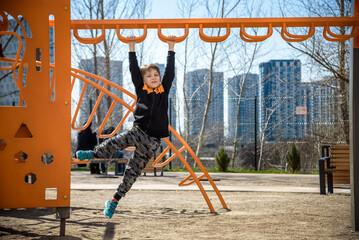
(134, 69)
(170, 66)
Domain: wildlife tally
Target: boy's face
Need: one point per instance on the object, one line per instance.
(152, 78)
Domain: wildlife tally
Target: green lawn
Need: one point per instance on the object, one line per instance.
(210, 170)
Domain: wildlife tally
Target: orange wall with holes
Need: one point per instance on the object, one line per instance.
(35, 137)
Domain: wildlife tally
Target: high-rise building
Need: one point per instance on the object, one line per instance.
(246, 120)
(279, 89)
(197, 88)
(90, 98)
(323, 106)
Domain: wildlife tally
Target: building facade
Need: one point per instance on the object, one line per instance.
(89, 100)
(246, 117)
(197, 89)
(279, 91)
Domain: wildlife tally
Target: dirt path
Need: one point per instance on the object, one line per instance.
(185, 215)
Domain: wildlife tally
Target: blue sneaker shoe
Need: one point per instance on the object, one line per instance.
(84, 154)
(110, 208)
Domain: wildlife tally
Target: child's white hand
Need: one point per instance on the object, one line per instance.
(131, 43)
(131, 38)
(171, 43)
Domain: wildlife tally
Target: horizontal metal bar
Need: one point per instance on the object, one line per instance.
(212, 22)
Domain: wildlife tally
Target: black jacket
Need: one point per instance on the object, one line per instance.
(86, 140)
(151, 109)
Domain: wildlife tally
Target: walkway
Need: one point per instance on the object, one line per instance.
(226, 182)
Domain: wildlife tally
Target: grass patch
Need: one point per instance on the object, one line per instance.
(210, 170)
(87, 169)
(232, 170)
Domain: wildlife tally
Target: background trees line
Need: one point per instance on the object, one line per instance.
(233, 57)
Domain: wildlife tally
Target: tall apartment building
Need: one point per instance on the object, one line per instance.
(279, 89)
(116, 76)
(246, 120)
(323, 107)
(197, 86)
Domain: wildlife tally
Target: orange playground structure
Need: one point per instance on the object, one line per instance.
(35, 137)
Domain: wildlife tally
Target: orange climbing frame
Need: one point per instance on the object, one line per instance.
(242, 23)
(101, 85)
(26, 128)
(35, 135)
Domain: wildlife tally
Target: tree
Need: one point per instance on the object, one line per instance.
(293, 158)
(326, 57)
(104, 9)
(187, 7)
(222, 160)
(221, 10)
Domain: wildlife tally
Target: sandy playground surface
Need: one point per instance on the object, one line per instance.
(151, 214)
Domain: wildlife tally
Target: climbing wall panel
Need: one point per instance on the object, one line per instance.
(35, 136)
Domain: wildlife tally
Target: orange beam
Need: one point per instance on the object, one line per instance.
(213, 22)
(269, 23)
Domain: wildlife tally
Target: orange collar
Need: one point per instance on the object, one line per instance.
(157, 90)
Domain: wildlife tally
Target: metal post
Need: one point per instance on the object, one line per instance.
(255, 133)
(353, 123)
(322, 176)
(62, 213)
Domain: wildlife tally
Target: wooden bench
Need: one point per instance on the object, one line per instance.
(101, 160)
(334, 167)
(150, 169)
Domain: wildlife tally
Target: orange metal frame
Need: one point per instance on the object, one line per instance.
(242, 23)
(43, 124)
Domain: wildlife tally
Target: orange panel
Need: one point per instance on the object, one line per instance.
(41, 125)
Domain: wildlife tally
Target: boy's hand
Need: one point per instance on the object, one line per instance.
(171, 43)
(131, 43)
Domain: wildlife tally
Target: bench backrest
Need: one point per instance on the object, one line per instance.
(340, 159)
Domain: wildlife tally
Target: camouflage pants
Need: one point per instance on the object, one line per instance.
(145, 145)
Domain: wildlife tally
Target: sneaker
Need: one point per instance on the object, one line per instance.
(110, 208)
(84, 154)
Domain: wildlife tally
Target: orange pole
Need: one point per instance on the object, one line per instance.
(213, 22)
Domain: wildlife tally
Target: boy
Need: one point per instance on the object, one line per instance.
(150, 125)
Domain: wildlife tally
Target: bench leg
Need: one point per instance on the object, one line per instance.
(330, 182)
(321, 177)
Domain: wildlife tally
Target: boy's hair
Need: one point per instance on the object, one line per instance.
(148, 67)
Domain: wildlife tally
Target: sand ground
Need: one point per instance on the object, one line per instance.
(173, 214)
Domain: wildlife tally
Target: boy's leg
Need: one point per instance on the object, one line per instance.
(145, 148)
(113, 144)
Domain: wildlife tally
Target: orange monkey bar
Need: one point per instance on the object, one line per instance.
(242, 23)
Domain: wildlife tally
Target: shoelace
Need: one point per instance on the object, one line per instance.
(113, 207)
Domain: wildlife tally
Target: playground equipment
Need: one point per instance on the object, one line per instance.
(35, 139)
